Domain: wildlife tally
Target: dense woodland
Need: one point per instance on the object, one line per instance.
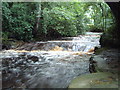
(35, 21)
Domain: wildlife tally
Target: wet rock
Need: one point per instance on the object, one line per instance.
(106, 61)
(80, 43)
(95, 80)
(33, 58)
(57, 48)
(92, 63)
(38, 46)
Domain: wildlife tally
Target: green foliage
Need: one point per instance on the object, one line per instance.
(50, 19)
(60, 20)
(5, 36)
(19, 20)
(5, 40)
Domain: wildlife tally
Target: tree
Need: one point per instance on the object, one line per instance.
(18, 19)
(25, 21)
(111, 38)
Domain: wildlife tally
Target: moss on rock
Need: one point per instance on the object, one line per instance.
(95, 80)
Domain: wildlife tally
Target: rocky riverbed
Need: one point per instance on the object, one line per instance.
(42, 69)
(50, 64)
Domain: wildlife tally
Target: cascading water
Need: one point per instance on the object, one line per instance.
(51, 64)
(86, 42)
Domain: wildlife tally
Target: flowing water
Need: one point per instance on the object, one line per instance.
(50, 64)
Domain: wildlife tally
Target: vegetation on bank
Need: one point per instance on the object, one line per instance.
(111, 37)
(30, 21)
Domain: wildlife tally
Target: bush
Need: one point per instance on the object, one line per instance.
(18, 20)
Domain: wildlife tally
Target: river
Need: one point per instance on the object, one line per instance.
(49, 64)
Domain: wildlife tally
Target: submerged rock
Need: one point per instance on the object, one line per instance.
(33, 58)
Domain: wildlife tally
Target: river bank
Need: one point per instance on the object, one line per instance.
(104, 67)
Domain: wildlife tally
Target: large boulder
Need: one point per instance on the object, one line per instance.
(95, 80)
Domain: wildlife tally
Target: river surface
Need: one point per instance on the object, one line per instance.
(50, 64)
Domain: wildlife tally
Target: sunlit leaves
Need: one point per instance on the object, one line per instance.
(65, 18)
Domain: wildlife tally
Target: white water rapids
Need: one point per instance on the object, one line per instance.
(50, 64)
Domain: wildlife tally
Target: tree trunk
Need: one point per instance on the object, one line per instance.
(115, 7)
(37, 24)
